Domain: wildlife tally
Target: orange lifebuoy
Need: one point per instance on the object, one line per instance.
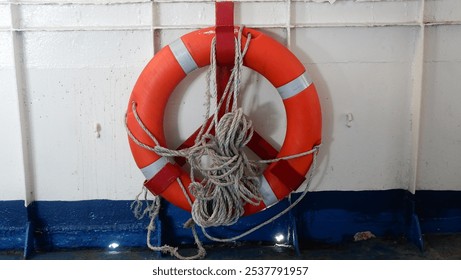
(265, 56)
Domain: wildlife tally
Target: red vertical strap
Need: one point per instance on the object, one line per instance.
(224, 45)
(225, 33)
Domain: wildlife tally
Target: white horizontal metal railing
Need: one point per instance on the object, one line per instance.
(339, 10)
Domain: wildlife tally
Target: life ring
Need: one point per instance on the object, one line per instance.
(265, 56)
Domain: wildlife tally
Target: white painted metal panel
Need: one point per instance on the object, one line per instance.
(79, 17)
(367, 13)
(4, 16)
(263, 14)
(370, 149)
(6, 54)
(440, 149)
(362, 72)
(355, 45)
(56, 50)
(443, 45)
(184, 14)
(83, 83)
(11, 161)
(443, 10)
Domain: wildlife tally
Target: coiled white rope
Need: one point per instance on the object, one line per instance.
(230, 179)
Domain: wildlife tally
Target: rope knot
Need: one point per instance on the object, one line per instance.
(230, 178)
(233, 132)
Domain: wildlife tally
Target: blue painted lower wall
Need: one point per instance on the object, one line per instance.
(439, 211)
(332, 217)
(13, 221)
(327, 217)
(91, 223)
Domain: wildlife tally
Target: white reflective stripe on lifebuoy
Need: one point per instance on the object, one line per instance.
(294, 87)
(267, 193)
(183, 56)
(152, 169)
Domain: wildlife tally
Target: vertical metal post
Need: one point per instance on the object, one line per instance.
(414, 229)
(288, 23)
(292, 213)
(27, 169)
(416, 99)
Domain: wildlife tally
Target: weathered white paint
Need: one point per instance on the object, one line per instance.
(440, 149)
(74, 82)
(360, 13)
(4, 16)
(78, 63)
(16, 171)
(442, 10)
(374, 152)
(82, 16)
(12, 178)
